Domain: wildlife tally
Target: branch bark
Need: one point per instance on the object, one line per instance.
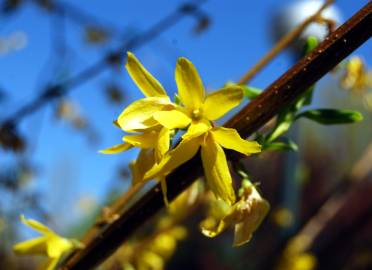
(277, 96)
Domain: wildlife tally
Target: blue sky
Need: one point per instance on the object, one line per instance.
(69, 166)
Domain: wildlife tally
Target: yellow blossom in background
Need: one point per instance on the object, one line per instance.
(180, 207)
(356, 78)
(245, 215)
(283, 217)
(295, 255)
(300, 261)
(49, 244)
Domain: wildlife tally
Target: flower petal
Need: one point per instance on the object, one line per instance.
(172, 119)
(138, 115)
(118, 148)
(36, 225)
(163, 184)
(162, 144)
(149, 86)
(196, 129)
(144, 140)
(214, 230)
(179, 155)
(57, 245)
(217, 171)
(229, 138)
(35, 246)
(245, 229)
(144, 162)
(220, 102)
(190, 86)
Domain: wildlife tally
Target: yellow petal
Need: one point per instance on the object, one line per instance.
(144, 140)
(229, 138)
(163, 184)
(149, 86)
(215, 230)
(138, 115)
(190, 86)
(57, 245)
(245, 229)
(36, 225)
(217, 171)
(179, 155)
(144, 162)
(196, 129)
(162, 144)
(220, 102)
(172, 119)
(116, 148)
(36, 246)
(215, 224)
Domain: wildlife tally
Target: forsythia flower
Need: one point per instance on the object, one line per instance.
(154, 139)
(356, 77)
(155, 116)
(200, 111)
(49, 244)
(246, 215)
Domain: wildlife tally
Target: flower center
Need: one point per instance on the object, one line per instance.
(196, 114)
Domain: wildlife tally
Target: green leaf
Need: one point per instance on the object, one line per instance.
(311, 43)
(251, 92)
(305, 99)
(287, 145)
(332, 116)
(283, 123)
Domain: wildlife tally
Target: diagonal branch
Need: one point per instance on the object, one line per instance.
(277, 96)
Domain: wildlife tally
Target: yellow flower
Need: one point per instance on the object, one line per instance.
(49, 244)
(201, 110)
(356, 77)
(246, 215)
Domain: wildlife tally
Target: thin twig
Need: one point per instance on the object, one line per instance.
(60, 89)
(282, 44)
(277, 96)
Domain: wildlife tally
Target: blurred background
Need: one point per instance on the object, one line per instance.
(63, 82)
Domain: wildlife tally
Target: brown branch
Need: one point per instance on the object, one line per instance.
(277, 96)
(283, 43)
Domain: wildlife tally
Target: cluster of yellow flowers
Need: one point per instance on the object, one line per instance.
(152, 251)
(152, 121)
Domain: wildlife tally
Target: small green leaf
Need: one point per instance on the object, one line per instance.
(332, 116)
(311, 43)
(251, 92)
(287, 145)
(283, 123)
